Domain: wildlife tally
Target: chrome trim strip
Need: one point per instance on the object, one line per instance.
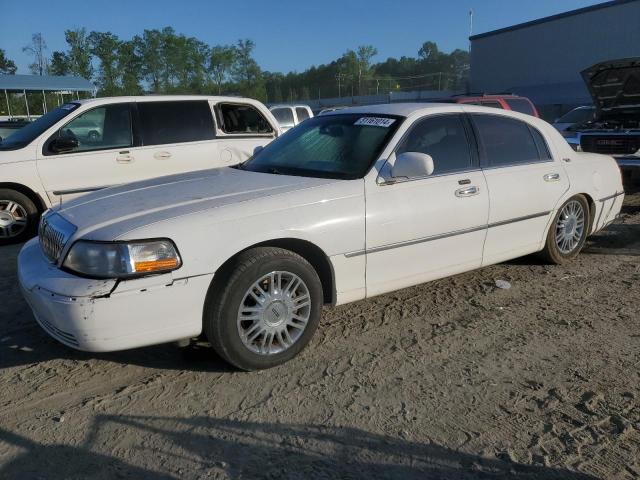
(79, 190)
(611, 196)
(519, 219)
(431, 238)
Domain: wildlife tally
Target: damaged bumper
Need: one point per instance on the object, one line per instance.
(110, 315)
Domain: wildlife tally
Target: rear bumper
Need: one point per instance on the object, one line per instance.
(133, 314)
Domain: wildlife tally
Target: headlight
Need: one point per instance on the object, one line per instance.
(122, 259)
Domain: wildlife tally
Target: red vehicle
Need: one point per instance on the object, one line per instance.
(506, 102)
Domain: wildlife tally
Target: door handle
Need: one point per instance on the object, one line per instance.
(551, 177)
(124, 157)
(467, 191)
(162, 155)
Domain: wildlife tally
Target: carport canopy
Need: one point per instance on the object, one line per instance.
(42, 84)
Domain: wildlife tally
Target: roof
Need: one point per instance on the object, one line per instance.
(45, 82)
(401, 109)
(289, 105)
(551, 18)
(152, 98)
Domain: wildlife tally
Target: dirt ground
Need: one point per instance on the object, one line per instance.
(452, 379)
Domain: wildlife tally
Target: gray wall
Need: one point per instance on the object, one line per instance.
(544, 61)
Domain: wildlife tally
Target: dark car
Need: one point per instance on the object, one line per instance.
(503, 101)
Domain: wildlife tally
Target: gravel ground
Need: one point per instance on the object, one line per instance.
(452, 379)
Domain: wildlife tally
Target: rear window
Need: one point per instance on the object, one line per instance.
(284, 116)
(302, 114)
(175, 122)
(520, 105)
(242, 119)
(491, 103)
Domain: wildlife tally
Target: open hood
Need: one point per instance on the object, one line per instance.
(614, 84)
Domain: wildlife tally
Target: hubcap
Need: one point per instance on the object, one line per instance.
(274, 313)
(13, 219)
(570, 227)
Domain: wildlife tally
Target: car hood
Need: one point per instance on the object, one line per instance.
(614, 84)
(137, 204)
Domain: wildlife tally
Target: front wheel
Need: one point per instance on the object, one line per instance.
(266, 310)
(568, 232)
(18, 217)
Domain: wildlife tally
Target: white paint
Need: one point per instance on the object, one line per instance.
(378, 235)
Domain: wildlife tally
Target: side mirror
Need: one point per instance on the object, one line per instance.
(258, 149)
(412, 164)
(63, 144)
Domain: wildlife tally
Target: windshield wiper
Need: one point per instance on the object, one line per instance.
(273, 170)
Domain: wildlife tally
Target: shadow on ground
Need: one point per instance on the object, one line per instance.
(210, 447)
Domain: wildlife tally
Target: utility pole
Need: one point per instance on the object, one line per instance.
(339, 78)
(470, 27)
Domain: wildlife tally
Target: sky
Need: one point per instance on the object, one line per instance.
(289, 35)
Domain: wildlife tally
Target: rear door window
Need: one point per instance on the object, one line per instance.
(242, 119)
(302, 114)
(520, 105)
(505, 141)
(164, 123)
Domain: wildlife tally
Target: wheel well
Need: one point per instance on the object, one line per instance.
(33, 196)
(307, 250)
(592, 210)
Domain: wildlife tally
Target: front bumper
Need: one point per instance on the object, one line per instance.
(106, 315)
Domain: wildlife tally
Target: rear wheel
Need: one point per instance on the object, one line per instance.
(266, 310)
(18, 217)
(568, 232)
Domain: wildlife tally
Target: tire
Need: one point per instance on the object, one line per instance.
(558, 250)
(18, 217)
(268, 272)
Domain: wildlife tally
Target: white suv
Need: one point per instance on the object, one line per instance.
(288, 116)
(91, 144)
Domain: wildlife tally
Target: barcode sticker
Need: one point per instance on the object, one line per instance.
(375, 121)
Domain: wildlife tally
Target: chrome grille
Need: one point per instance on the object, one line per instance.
(54, 233)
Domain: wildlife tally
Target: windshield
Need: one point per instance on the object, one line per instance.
(578, 115)
(330, 146)
(24, 136)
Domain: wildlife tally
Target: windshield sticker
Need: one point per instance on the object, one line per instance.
(375, 121)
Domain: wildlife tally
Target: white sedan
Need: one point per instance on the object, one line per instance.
(346, 206)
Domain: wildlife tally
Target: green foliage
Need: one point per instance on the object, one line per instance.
(7, 66)
(221, 60)
(59, 64)
(163, 61)
(104, 46)
(79, 54)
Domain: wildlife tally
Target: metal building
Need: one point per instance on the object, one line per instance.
(542, 59)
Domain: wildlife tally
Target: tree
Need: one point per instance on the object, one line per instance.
(149, 49)
(37, 49)
(7, 66)
(364, 53)
(129, 66)
(79, 55)
(104, 46)
(59, 64)
(246, 71)
(221, 60)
